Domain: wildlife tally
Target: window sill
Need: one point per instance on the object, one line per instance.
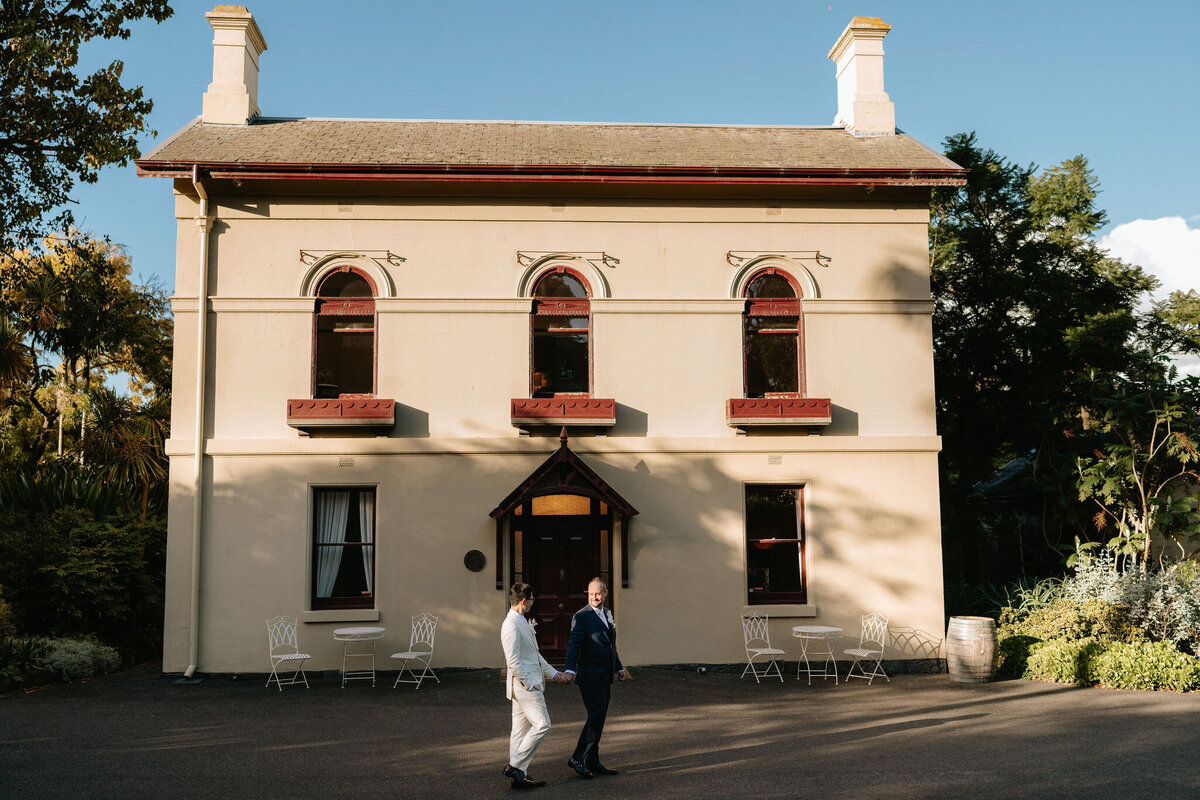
(748, 411)
(595, 411)
(341, 615)
(343, 412)
(783, 610)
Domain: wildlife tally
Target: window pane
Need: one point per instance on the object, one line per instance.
(773, 567)
(542, 324)
(344, 284)
(560, 285)
(772, 361)
(774, 545)
(768, 285)
(345, 360)
(561, 504)
(560, 363)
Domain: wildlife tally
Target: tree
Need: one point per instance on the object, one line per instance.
(1141, 468)
(1024, 302)
(80, 319)
(57, 126)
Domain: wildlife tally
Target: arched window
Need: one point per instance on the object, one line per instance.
(560, 360)
(344, 335)
(771, 335)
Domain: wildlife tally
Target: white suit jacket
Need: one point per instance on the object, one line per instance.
(521, 655)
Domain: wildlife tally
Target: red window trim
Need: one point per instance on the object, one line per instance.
(775, 307)
(346, 307)
(562, 307)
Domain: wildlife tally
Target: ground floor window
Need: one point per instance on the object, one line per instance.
(343, 542)
(775, 569)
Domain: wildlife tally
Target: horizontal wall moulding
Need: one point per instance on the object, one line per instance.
(521, 305)
(535, 447)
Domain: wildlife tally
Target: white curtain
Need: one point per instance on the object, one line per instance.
(366, 525)
(333, 509)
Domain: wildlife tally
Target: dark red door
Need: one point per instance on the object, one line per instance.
(560, 560)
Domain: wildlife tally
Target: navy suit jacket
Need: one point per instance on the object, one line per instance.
(592, 649)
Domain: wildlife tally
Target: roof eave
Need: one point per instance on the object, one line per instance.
(555, 173)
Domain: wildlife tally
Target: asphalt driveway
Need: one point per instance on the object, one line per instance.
(672, 734)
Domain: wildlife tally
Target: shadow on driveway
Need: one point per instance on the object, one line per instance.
(672, 734)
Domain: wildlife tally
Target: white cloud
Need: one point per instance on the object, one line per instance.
(1167, 248)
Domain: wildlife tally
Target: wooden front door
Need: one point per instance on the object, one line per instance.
(559, 554)
(562, 562)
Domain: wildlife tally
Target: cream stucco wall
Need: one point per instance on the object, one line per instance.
(453, 349)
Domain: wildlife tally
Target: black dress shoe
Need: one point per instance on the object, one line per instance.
(510, 771)
(600, 769)
(579, 768)
(520, 781)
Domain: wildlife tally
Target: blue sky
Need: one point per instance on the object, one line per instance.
(1039, 82)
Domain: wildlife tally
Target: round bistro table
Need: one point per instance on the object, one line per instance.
(807, 634)
(350, 636)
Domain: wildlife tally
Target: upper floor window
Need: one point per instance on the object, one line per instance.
(560, 361)
(771, 336)
(344, 336)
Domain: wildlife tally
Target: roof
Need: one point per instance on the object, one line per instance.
(564, 472)
(411, 149)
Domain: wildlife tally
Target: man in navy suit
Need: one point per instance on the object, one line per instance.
(592, 658)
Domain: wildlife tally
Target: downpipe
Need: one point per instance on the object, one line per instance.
(204, 223)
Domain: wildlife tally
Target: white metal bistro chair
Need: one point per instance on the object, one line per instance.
(758, 645)
(870, 648)
(419, 652)
(282, 648)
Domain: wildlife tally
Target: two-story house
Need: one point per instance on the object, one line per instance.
(416, 361)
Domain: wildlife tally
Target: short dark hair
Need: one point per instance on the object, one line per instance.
(519, 592)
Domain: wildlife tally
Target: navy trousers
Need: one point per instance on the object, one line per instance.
(595, 700)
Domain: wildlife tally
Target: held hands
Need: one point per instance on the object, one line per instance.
(564, 678)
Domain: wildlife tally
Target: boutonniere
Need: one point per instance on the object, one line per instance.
(608, 615)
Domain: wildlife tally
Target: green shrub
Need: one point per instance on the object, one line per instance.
(1146, 666)
(20, 658)
(1014, 655)
(1165, 603)
(8, 628)
(1072, 620)
(1062, 661)
(69, 574)
(77, 659)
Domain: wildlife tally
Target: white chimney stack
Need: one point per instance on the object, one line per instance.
(232, 97)
(863, 106)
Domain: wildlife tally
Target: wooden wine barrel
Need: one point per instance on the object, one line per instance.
(971, 649)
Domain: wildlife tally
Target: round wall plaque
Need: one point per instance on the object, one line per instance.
(474, 560)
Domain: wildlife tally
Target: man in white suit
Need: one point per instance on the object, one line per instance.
(527, 675)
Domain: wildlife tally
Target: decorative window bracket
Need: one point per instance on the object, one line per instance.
(310, 257)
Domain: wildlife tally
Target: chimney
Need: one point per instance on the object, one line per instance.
(232, 97)
(863, 106)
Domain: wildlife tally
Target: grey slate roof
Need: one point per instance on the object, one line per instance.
(400, 144)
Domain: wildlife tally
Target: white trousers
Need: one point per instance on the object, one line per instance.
(530, 724)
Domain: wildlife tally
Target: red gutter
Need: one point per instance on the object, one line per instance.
(564, 174)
